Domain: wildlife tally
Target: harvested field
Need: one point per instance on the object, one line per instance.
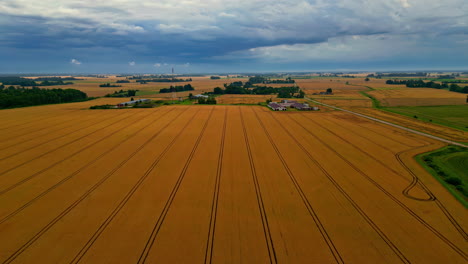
(218, 184)
(418, 97)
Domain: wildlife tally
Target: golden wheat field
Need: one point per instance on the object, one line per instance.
(218, 184)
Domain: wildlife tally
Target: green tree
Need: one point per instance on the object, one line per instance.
(329, 90)
(367, 79)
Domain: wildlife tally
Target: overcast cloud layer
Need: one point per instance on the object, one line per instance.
(221, 35)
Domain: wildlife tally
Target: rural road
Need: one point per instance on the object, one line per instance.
(391, 124)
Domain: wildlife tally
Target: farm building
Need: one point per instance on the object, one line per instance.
(287, 103)
(300, 106)
(276, 107)
(284, 104)
(200, 96)
(133, 102)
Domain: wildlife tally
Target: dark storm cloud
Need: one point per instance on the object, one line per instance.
(216, 31)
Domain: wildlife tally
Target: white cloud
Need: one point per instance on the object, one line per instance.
(75, 61)
(132, 63)
(157, 65)
(186, 64)
(404, 3)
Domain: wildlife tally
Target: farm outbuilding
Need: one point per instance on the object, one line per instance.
(276, 107)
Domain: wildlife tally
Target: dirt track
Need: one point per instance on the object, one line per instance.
(221, 184)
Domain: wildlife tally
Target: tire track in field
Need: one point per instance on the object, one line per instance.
(76, 172)
(78, 201)
(72, 120)
(398, 202)
(430, 195)
(261, 205)
(127, 197)
(308, 205)
(162, 216)
(45, 142)
(38, 120)
(15, 185)
(214, 205)
(41, 129)
(355, 205)
(444, 210)
(414, 180)
(66, 144)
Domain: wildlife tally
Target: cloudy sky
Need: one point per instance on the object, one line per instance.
(125, 36)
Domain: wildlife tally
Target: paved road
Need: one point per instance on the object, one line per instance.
(391, 124)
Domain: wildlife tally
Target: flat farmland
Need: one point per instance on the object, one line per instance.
(218, 184)
(418, 97)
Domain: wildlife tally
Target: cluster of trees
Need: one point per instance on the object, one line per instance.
(143, 81)
(215, 77)
(247, 88)
(122, 81)
(421, 84)
(19, 97)
(34, 82)
(209, 100)
(287, 80)
(122, 93)
(456, 88)
(187, 87)
(109, 85)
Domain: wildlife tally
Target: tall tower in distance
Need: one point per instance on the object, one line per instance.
(173, 87)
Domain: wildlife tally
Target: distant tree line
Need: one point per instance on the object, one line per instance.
(122, 93)
(187, 87)
(31, 82)
(265, 80)
(122, 81)
(109, 85)
(421, 84)
(247, 88)
(215, 77)
(20, 97)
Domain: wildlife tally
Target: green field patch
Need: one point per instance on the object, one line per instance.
(454, 116)
(449, 165)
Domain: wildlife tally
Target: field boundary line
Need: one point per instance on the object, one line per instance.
(214, 205)
(398, 202)
(74, 173)
(160, 221)
(261, 205)
(73, 205)
(394, 125)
